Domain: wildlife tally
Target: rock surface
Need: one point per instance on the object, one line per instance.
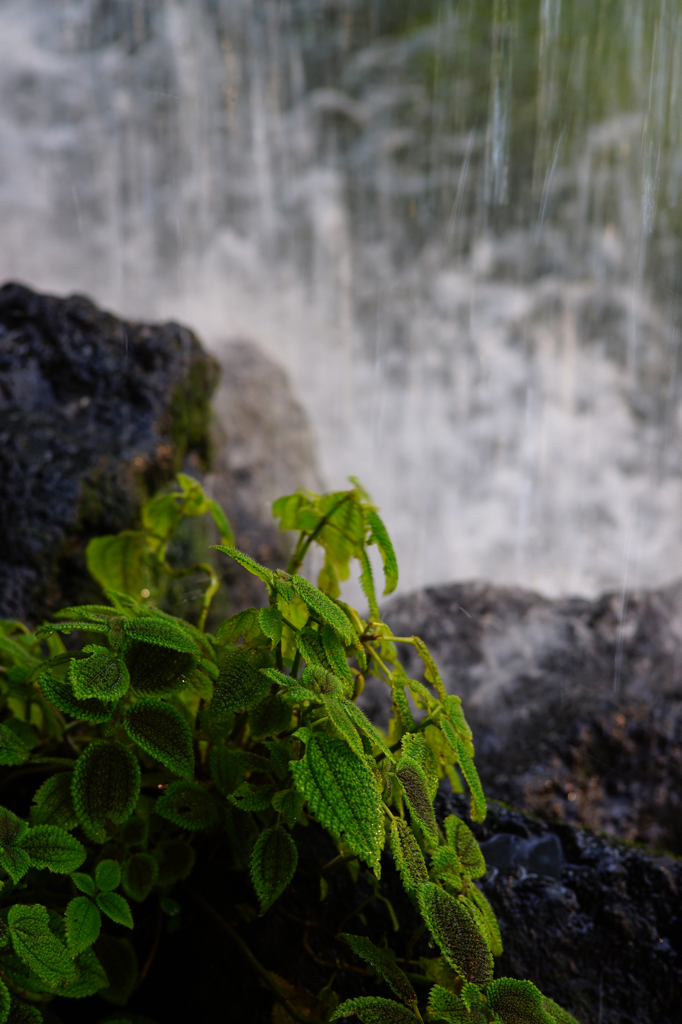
(576, 705)
(95, 413)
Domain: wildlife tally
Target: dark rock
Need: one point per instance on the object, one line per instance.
(95, 414)
(603, 936)
(576, 705)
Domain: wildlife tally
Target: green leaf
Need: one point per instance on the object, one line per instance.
(84, 883)
(13, 831)
(380, 537)
(176, 860)
(120, 561)
(408, 856)
(446, 866)
(343, 724)
(367, 584)
(108, 875)
(82, 924)
(163, 733)
(119, 961)
(105, 785)
(134, 831)
(23, 1013)
(161, 516)
(416, 749)
(266, 575)
(270, 620)
(462, 840)
(140, 874)
(102, 675)
(115, 907)
(248, 797)
(415, 789)
(15, 861)
(455, 930)
(90, 977)
(88, 612)
(453, 708)
(311, 646)
(445, 1005)
(244, 624)
(342, 794)
(240, 684)
(559, 1015)
(160, 655)
(60, 693)
(468, 769)
(375, 1010)
(516, 1002)
(385, 965)
(336, 656)
(221, 521)
(270, 717)
(432, 675)
(227, 769)
(4, 1002)
(323, 608)
(87, 626)
(188, 805)
(53, 803)
(12, 749)
(489, 919)
(289, 804)
(273, 863)
(35, 944)
(51, 847)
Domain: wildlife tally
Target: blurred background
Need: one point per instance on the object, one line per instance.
(455, 223)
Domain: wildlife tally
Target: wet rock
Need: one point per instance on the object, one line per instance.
(596, 925)
(576, 705)
(95, 414)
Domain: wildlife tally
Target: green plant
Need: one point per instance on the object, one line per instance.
(153, 731)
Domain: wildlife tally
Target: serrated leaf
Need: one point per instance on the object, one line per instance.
(119, 961)
(51, 847)
(82, 924)
(163, 733)
(281, 753)
(375, 1010)
(240, 684)
(468, 769)
(455, 712)
(342, 794)
(102, 675)
(416, 792)
(445, 1005)
(273, 863)
(86, 625)
(188, 805)
(227, 769)
(384, 965)
(53, 803)
(270, 620)
(463, 842)
(140, 874)
(311, 647)
(269, 718)
(60, 693)
(221, 521)
(367, 584)
(35, 944)
(134, 831)
(12, 829)
(360, 719)
(23, 1013)
(90, 977)
(105, 785)
(12, 749)
(336, 656)
(343, 724)
(119, 561)
(456, 933)
(380, 537)
(176, 860)
(89, 612)
(116, 908)
(556, 1012)
(159, 655)
(289, 804)
(108, 874)
(489, 919)
(323, 608)
(245, 623)
(4, 1002)
(84, 883)
(248, 797)
(416, 749)
(408, 856)
(446, 866)
(15, 861)
(516, 1002)
(432, 675)
(248, 563)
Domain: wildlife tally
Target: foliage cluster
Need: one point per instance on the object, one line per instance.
(151, 731)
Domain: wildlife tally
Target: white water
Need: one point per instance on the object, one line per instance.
(486, 335)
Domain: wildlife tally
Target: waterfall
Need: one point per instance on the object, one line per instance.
(456, 223)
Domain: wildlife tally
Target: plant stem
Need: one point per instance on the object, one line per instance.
(302, 549)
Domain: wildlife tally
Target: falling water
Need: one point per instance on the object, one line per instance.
(457, 224)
